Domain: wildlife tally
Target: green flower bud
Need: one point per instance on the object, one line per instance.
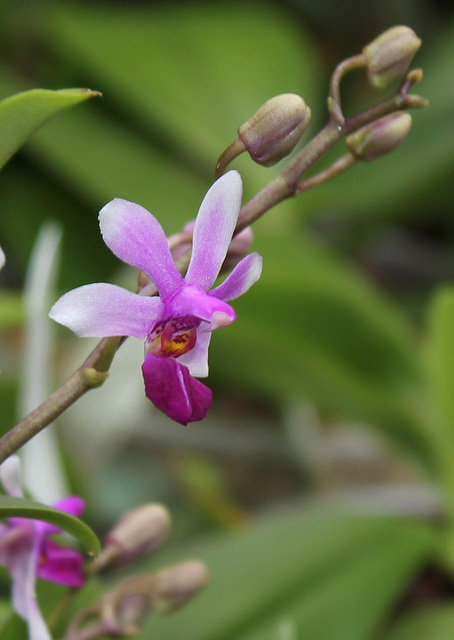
(389, 55)
(379, 137)
(275, 129)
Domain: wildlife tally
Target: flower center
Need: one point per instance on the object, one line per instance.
(172, 339)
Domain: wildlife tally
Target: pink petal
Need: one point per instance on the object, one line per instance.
(244, 275)
(174, 391)
(214, 228)
(72, 505)
(192, 301)
(137, 238)
(61, 565)
(102, 310)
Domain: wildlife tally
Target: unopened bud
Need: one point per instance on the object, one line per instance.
(389, 55)
(275, 129)
(173, 587)
(379, 137)
(123, 610)
(136, 534)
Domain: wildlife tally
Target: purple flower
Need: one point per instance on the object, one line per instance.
(27, 552)
(177, 325)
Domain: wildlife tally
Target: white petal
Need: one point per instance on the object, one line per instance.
(102, 310)
(11, 477)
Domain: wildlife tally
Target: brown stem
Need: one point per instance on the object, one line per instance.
(344, 163)
(334, 101)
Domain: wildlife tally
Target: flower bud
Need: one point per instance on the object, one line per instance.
(124, 609)
(173, 587)
(379, 137)
(389, 55)
(275, 129)
(136, 534)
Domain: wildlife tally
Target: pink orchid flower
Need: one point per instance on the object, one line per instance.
(27, 552)
(177, 325)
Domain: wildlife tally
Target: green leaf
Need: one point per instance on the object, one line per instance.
(22, 114)
(428, 623)
(440, 355)
(21, 508)
(330, 575)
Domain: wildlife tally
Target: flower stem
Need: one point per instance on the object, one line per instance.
(334, 101)
(346, 161)
(92, 374)
(285, 185)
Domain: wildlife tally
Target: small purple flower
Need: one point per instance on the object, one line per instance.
(177, 325)
(27, 552)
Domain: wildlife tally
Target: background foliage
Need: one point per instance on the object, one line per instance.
(334, 388)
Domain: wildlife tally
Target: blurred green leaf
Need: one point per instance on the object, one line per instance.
(335, 575)
(12, 627)
(103, 159)
(22, 114)
(440, 355)
(426, 623)
(21, 508)
(197, 73)
(311, 326)
(440, 375)
(11, 310)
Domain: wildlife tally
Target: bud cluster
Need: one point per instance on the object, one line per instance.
(122, 611)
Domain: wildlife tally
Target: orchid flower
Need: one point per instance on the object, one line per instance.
(27, 552)
(177, 325)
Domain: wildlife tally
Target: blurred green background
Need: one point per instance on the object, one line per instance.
(322, 393)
